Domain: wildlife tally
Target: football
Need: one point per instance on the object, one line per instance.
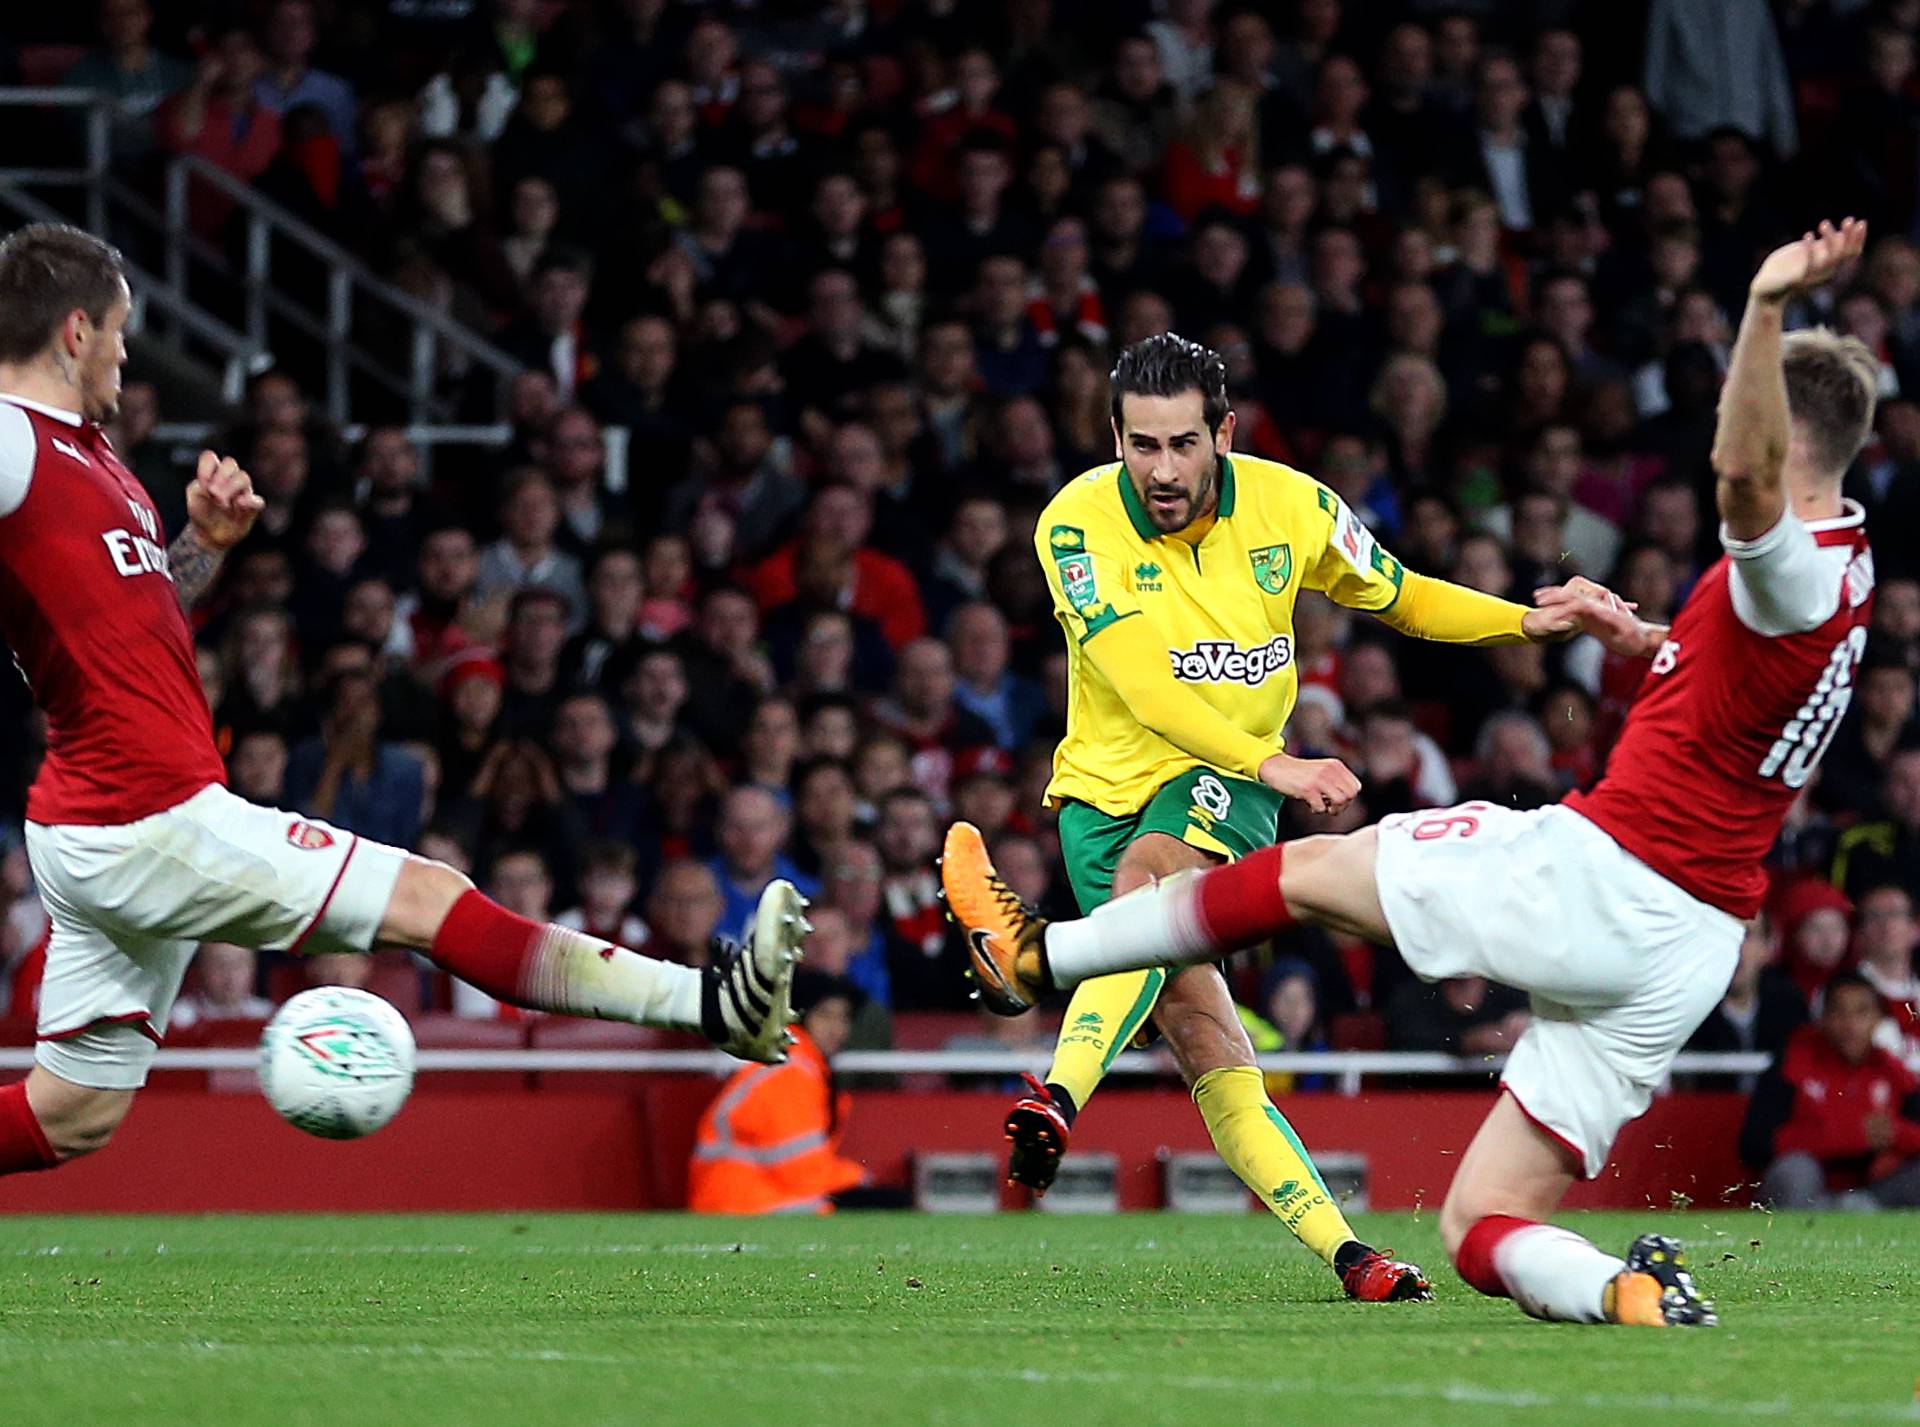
(336, 1062)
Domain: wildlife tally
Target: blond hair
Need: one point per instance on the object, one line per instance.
(1831, 384)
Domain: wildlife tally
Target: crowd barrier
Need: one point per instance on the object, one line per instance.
(526, 1130)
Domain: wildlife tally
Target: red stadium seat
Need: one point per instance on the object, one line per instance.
(931, 1030)
(441, 1030)
(584, 1033)
(395, 978)
(1358, 1030)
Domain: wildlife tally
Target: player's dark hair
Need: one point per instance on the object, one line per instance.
(46, 271)
(1167, 364)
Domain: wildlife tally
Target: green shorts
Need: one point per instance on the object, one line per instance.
(1216, 812)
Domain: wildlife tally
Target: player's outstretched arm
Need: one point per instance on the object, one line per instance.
(221, 509)
(1750, 440)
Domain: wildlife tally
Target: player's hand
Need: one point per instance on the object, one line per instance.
(1879, 1130)
(1810, 261)
(1325, 785)
(1582, 607)
(221, 503)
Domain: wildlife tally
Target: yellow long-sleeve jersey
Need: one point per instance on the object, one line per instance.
(1180, 647)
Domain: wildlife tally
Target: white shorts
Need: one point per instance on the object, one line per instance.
(1622, 964)
(130, 904)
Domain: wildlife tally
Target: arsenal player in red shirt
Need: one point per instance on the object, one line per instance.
(138, 849)
(1620, 909)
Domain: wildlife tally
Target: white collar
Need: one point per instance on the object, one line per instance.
(1851, 514)
(70, 417)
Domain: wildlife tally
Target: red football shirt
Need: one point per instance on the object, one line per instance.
(89, 609)
(1737, 709)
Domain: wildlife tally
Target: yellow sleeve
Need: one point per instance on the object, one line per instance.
(1086, 574)
(1453, 614)
(1351, 567)
(1134, 660)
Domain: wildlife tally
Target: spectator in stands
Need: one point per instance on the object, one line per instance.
(1814, 925)
(608, 884)
(137, 76)
(1135, 112)
(257, 768)
(739, 503)
(1010, 705)
(925, 971)
(574, 456)
(552, 336)
(584, 742)
(611, 638)
(438, 611)
(924, 713)
(471, 694)
(387, 493)
(1463, 1015)
(525, 556)
(754, 826)
(225, 978)
(353, 778)
(1886, 934)
(1878, 723)
(828, 368)
(530, 654)
(1743, 84)
(1837, 1121)
(290, 79)
(863, 581)
(684, 913)
(851, 883)
(1888, 850)
(218, 118)
(1762, 1007)
(263, 686)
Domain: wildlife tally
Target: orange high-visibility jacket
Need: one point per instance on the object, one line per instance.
(769, 1143)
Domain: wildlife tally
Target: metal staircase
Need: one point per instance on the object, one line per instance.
(287, 295)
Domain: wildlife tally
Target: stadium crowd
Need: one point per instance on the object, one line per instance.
(851, 275)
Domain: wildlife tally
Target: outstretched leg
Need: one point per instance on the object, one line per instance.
(1513, 1175)
(740, 1003)
(1187, 918)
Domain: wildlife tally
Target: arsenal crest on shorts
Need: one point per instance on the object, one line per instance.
(305, 834)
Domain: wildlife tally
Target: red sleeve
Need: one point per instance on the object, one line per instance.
(1816, 1130)
(1184, 183)
(771, 582)
(262, 142)
(166, 125)
(894, 601)
(1906, 1136)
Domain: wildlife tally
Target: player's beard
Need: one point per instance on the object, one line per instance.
(1200, 503)
(100, 395)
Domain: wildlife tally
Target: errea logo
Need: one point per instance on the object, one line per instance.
(1220, 661)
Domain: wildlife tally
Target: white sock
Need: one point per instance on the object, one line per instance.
(1554, 1273)
(1155, 925)
(585, 977)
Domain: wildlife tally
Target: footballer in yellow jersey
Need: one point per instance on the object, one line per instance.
(1174, 572)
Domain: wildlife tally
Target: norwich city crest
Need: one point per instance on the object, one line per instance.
(1272, 567)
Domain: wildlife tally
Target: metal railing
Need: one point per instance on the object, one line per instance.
(617, 439)
(352, 293)
(234, 355)
(351, 289)
(1346, 1066)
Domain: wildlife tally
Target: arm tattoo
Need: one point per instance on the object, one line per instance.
(192, 566)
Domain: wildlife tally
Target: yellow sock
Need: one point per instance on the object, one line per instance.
(1104, 1015)
(1261, 1147)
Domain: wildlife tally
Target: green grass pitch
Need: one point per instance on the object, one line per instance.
(864, 1320)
